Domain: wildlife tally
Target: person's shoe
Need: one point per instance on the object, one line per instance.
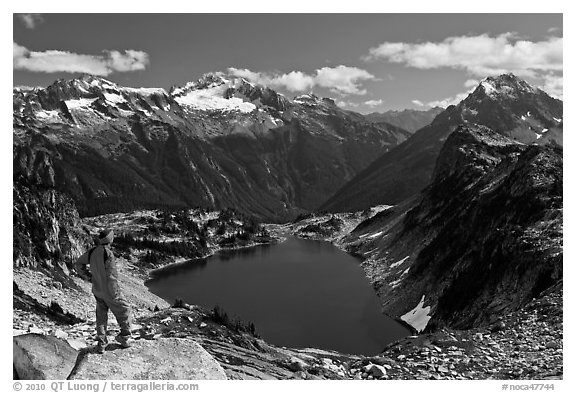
(125, 341)
(100, 347)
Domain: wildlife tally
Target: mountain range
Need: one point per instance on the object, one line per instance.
(506, 104)
(409, 119)
(217, 142)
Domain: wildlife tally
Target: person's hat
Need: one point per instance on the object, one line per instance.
(106, 236)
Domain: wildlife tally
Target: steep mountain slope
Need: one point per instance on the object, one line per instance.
(217, 142)
(481, 241)
(409, 119)
(506, 104)
(46, 228)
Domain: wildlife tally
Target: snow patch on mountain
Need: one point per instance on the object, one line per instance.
(145, 91)
(212, 98)
(380, 208)
(100, 82)
(81, 103)
(146, 113)
(372, 236)
(397, 282)
(305, 99)
(125, 112)
(489, 88)
(400, 262)
(418, 317)
(114, 98)
(505, 85)
(47, 115)
(26, 88)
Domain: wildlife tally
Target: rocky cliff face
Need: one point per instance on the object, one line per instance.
(47, 232)
(506, 104)
(482, 240)
(217, 142)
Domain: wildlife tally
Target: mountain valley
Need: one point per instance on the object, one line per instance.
(458, 223)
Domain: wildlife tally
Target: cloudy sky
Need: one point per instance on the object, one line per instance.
(366, 62)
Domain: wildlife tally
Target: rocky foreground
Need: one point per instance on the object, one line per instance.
(523, 345)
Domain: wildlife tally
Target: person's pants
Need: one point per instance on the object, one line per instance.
(121, 311)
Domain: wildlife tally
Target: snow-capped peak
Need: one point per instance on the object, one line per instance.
(211, 92)
(505, 85)
(206, 81)
(312, 99)
(306, 98)
(94, 81)
(145, 91)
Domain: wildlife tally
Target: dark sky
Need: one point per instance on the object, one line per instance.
(181, 47)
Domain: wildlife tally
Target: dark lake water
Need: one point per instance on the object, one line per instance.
(299, 293)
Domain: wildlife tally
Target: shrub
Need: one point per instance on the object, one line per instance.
(221, 317)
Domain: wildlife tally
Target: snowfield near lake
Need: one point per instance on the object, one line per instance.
(418, 317)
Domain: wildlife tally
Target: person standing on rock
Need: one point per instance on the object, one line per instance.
(104, 276)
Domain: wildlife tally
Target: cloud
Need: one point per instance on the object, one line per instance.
(62, 61)
(349, 104)
(373, 103)
(341, 79)
(256, 77)
(470, 84)
(446, 102)
(555, 30)
(130, 60)
(19, 51)
(294, 81)
(553, 85)
(480, 55)
(30, 21)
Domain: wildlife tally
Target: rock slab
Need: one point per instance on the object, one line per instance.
(38, 356)
(166, 358)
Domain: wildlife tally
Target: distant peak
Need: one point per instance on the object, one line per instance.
(510, 77)
(307, 98)
(505, 84)
(94, 80)
(212, 78)
(84, 83)
(206, 81)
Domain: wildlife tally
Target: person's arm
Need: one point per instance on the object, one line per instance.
(81, 265)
